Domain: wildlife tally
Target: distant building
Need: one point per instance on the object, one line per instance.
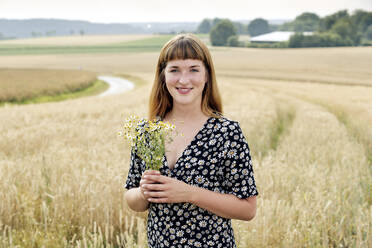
(277, 36)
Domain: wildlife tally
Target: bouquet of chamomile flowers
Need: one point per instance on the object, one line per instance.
(148, 138)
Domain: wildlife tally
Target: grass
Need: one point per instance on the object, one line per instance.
(353, 129)
(142, 45)
(20, 85)
(26, 86)
(282, 125)
(76, 40)
(94, 88)
(149, 44)
(138, 81)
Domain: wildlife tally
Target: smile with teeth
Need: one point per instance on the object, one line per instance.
(183, 90)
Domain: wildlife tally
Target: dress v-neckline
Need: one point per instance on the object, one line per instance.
(187, 147)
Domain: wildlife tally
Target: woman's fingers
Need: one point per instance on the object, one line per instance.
(146, 182)
(151, 172)
(158, 200)
(147, 173)
(157, 178)
(154, 194)
(161, 189)
(154, 187)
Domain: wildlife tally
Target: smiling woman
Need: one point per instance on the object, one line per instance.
(206, 177)
(185, 80)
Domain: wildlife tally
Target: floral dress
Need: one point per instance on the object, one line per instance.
(217, 159)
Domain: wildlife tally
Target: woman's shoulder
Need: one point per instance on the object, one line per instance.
(225, 125)
(225, 121)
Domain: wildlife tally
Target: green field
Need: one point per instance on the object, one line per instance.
(143, 45)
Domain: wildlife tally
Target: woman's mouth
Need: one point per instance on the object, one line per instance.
(183, 91)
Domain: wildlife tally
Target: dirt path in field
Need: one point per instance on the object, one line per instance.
(117, 85)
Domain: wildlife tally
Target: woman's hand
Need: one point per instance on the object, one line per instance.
(162, 189)
(147, 181)
(167, 189)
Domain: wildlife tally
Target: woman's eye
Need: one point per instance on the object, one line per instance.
(173, 70)
(194, 70)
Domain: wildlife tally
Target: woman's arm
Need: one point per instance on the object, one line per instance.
(224, 205)
(135, 200)
(170, 190)
(135, 197)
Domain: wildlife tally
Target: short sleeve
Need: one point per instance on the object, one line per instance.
(136, 169)
(237, 164)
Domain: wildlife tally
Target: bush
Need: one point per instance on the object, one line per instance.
(369, 32)
(318, 40)
(233, 41)
(258, 26)
(268, 45)
(204, 27)
(221, 32)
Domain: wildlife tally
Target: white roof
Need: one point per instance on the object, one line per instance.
(276, 36)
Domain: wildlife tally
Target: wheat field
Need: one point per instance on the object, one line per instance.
(306, 114)
(76, 40)
(21, 84)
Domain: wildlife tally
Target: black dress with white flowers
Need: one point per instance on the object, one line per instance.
(217, 159)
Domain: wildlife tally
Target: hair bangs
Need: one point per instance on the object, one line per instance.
(184, 49)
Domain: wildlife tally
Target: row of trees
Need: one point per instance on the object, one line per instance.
(54, 32)
(3, 37)
(256, 27)
(222, 32)
(338, 29)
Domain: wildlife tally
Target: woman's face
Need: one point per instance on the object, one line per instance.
(185, 81)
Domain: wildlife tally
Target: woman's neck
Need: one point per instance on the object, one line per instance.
(185, 114)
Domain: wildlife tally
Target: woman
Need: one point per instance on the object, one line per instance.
(206, 178)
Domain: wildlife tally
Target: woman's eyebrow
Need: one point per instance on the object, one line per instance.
(176, 66)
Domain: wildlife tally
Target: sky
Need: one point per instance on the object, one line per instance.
(125, 11)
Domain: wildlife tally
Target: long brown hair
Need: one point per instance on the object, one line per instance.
(184, 46)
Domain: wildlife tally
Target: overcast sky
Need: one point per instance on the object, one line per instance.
(123, 11)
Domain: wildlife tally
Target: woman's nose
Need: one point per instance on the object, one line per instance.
(184, 78)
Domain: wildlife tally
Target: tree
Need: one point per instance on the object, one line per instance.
(369, 32)
(306, 22)
(347, 31)
(343, 28)
(318, 40)
(204, 27)
(361, 19)
(308, 16)
(258, 26)
(240, 28)
(327, 22)
(366, 21)
(50, 32)
(215, 21)
(296, 40)
(221, 32)
(233, 41)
